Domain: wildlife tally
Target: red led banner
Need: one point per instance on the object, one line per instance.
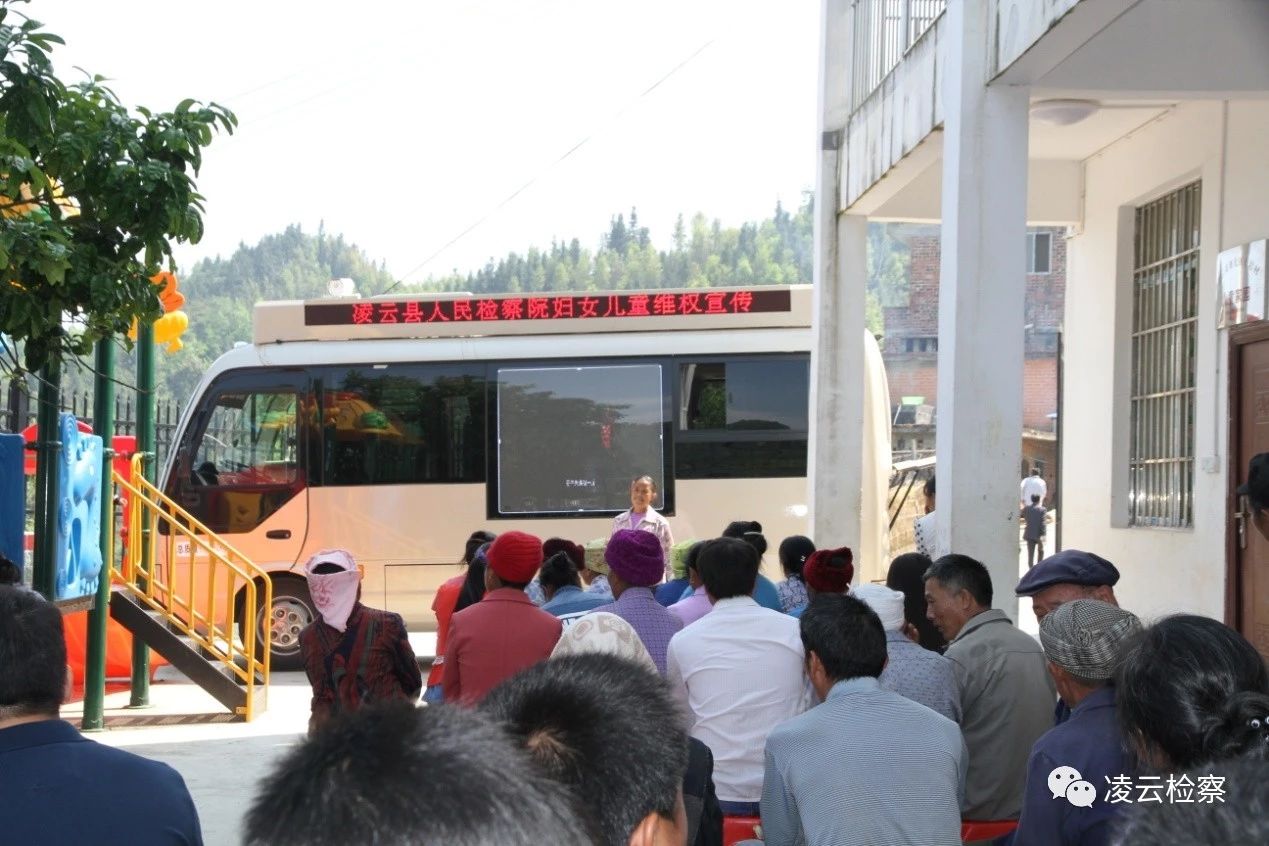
(567, 307)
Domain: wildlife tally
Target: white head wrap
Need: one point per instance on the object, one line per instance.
(886, 602)
(604, 632)
(334, 594)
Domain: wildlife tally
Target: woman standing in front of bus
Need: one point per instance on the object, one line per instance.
(643, 517)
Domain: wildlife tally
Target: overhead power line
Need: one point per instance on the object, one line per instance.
(482, 219)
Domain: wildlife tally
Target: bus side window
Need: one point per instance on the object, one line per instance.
(402, 424)
(742, 418)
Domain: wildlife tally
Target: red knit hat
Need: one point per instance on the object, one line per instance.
(515, 556)
(829, 570)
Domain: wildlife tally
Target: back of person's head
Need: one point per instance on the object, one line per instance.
(692, 558)
(395, 775)
(1035, 499)
(929, 486)
(1238, 812)
(794, 550)
(574, 551)
(473, 589)
(606, 727)
(907, 575)
(749, 531)
(9, 572)
(1190, 690)
(960, 572)
(32, 655)
(559, 571)
(845, 634)
(475, 541)
(728, 567)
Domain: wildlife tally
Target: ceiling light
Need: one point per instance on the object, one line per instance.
(1064, 112)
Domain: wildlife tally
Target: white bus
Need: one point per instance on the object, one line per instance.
(395, 427)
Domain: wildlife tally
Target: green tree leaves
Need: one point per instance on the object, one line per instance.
(92, 197)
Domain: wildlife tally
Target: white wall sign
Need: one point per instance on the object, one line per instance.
(1242, 279)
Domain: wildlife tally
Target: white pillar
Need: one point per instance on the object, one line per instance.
(835, 449)
(982, 282)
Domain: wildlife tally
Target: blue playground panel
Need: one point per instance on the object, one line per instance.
(79, 555)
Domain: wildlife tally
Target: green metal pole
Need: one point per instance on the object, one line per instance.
(145, 446)
(44, 578)
(104, 425)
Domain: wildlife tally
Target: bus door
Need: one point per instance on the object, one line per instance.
(242, 464)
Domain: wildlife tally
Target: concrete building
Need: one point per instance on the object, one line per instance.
(1139, 124)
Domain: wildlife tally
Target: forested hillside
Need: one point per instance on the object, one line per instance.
(698, 254)
(220, 293)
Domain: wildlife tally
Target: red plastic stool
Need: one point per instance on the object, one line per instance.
(972, 830)
(736, 829)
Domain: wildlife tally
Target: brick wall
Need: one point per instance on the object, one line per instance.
(914, 372)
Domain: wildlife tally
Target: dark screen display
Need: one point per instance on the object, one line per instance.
(570, 439)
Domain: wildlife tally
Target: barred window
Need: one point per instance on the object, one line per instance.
(1164, 339)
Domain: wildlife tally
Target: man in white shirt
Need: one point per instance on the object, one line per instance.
(740, 670)
(1034, 485)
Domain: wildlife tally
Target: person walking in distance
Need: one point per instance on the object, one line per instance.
(1033, 485)
(1033, 530)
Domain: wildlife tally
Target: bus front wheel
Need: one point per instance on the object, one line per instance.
(280, 625)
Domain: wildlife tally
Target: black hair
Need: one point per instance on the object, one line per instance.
(1195, 690)
(637, 479)
(475, 541)
(32, 654)
(602, 725)
(846, 634)
(929, 486)
(794, 550)
(692, 558)
(960, 572)
(328, 568)
(473, 589)
(749, 531)
(559, 571)
(1238, 816)
(1035, 499)
(907, 575)
(375, 775)
(728, 567)
(10, 573)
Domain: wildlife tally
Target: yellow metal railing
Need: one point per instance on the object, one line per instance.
(201, 585)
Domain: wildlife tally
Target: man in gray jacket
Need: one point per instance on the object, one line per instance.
(1007, 695)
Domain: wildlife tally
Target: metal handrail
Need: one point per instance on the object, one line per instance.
(884, 31)
(208, 619)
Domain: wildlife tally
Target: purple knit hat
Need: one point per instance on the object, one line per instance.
(636, 557)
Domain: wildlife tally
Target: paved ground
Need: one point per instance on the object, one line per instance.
(220, 761)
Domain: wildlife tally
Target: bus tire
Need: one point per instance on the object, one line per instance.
(293, 609)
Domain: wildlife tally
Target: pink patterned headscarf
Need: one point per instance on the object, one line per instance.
(334, 594)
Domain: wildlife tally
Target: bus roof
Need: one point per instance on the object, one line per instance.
(448, 315)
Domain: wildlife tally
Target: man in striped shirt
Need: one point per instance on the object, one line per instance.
(867, 766)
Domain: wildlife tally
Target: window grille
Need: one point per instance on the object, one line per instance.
(1164, 339)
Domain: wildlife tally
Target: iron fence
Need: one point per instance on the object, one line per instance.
(884, 30)
(18, 412)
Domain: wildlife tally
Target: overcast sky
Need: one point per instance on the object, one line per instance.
(402, 124)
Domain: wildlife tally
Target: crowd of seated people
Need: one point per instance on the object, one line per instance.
(652, 708)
